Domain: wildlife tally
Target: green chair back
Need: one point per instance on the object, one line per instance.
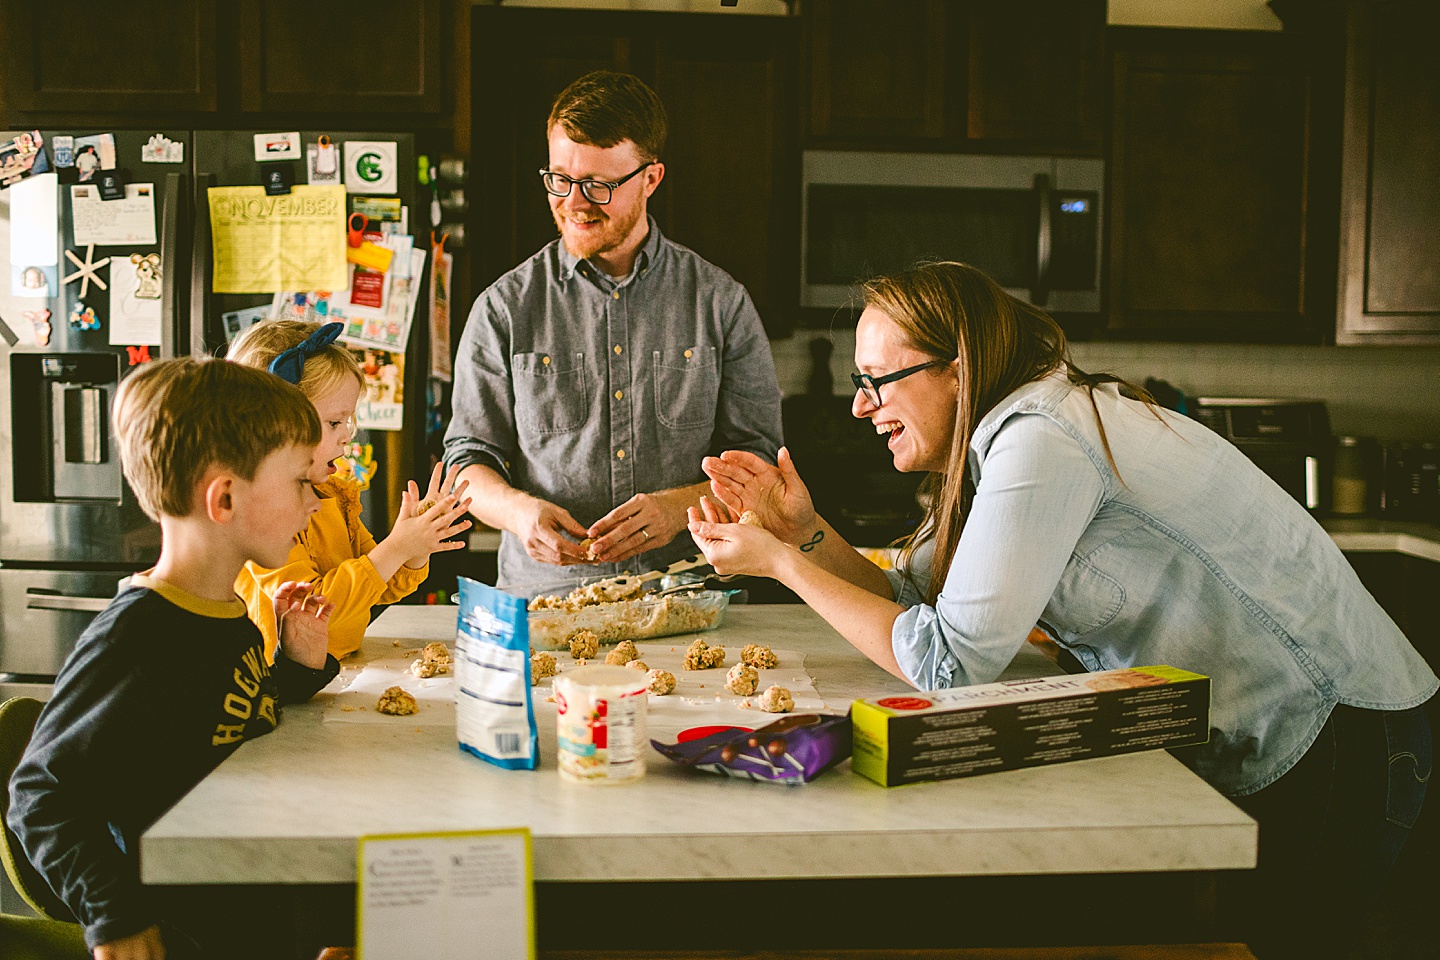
(17, 723)
(30, 938)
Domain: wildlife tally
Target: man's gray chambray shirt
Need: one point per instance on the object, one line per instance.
(585, 391)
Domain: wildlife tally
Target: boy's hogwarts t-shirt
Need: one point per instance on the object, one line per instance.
(159, 690)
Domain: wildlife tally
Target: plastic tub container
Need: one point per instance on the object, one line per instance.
(600, 724)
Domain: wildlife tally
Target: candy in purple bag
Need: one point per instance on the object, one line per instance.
(793, 749)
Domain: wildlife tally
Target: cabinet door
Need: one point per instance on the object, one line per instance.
(1207, 188)
(87, 56)
(877, 68)
(1390, 192)
(1037, 72)
(731, 166)
(521, 60)
(340, 56)
(732, 174)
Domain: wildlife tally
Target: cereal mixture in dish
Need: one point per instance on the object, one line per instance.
(542, 665)
(623, 653)
(776, 700)
(742, 679)
(396, 702)
(636, 618)
(662, 682)
(759, 656)
(701, 656)
(584, 644)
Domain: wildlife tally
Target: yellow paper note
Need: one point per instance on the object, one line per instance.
(293, 241)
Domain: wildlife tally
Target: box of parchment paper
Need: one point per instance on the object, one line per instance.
(1024, 723)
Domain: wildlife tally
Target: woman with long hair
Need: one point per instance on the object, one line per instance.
(1132, 536)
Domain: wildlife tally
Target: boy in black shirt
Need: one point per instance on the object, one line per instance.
(171, 678)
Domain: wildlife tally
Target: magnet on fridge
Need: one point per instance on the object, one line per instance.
(161, 149)
(64, 150)
(83, 317)
(112, 185)
(147, 275)
(278, 179)
(86, 270)
(138, 355)
(327, 157)
(40, 323)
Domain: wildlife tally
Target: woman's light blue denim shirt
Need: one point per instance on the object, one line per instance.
(1191, 556)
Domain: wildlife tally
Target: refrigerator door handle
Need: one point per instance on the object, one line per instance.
(42, 600)
(172, 342)
(200, 263)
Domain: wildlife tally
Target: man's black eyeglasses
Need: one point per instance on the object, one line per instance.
(596, 191)
(870, 386)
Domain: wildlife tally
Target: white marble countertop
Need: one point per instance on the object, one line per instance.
(289, 807)
(1365, 535)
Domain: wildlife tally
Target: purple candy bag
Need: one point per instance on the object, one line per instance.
(793, 749)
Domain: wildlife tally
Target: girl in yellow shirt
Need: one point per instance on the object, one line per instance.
(335, 552)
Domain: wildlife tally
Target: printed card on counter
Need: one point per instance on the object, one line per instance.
(463, 895)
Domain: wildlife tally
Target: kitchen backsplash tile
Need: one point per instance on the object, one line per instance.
(1392, 393)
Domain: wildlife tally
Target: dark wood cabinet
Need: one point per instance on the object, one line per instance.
(978, 75)
(1036, 72)
(1210, 224)
(87, 56)
(877, 69)
(731, 188)
(206, 64)
(1389, 289)
(340, 56)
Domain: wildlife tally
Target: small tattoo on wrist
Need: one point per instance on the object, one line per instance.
(813, 542)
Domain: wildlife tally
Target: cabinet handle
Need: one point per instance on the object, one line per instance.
(1041, 292)
(59, 601)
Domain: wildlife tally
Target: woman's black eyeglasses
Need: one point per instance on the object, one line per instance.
(596, 191)
(870, 386)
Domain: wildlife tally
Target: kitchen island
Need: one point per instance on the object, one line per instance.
(289, 809)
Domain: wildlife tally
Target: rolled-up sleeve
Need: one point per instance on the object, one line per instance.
(1038, 490)
(747, 414)
(482, 425)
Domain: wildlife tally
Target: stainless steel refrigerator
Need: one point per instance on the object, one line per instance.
(70, 527)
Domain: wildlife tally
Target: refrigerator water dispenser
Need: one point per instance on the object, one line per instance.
(60, 405)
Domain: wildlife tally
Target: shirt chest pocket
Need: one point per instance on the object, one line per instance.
(687, 387)
(549, 392)
(1084, 600)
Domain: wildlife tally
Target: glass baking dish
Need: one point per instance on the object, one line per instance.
(642, 618)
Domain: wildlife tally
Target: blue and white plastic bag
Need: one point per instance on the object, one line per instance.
(494, 718)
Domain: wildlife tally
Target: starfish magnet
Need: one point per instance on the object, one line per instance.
(86, 273)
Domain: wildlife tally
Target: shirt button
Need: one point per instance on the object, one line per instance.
(619, 394)
(616, 294)
(617, 348)
(687, 356)
(620, 454)
(546, 360)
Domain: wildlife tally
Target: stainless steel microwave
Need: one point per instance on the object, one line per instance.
(1032, 223)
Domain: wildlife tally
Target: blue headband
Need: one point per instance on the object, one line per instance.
(290, 365)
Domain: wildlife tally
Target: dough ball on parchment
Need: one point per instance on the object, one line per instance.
(776, 700)
(396, 702)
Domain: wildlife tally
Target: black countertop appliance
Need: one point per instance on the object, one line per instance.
(845, 463)
(1288, 439)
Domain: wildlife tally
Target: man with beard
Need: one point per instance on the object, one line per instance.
(593, 378)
